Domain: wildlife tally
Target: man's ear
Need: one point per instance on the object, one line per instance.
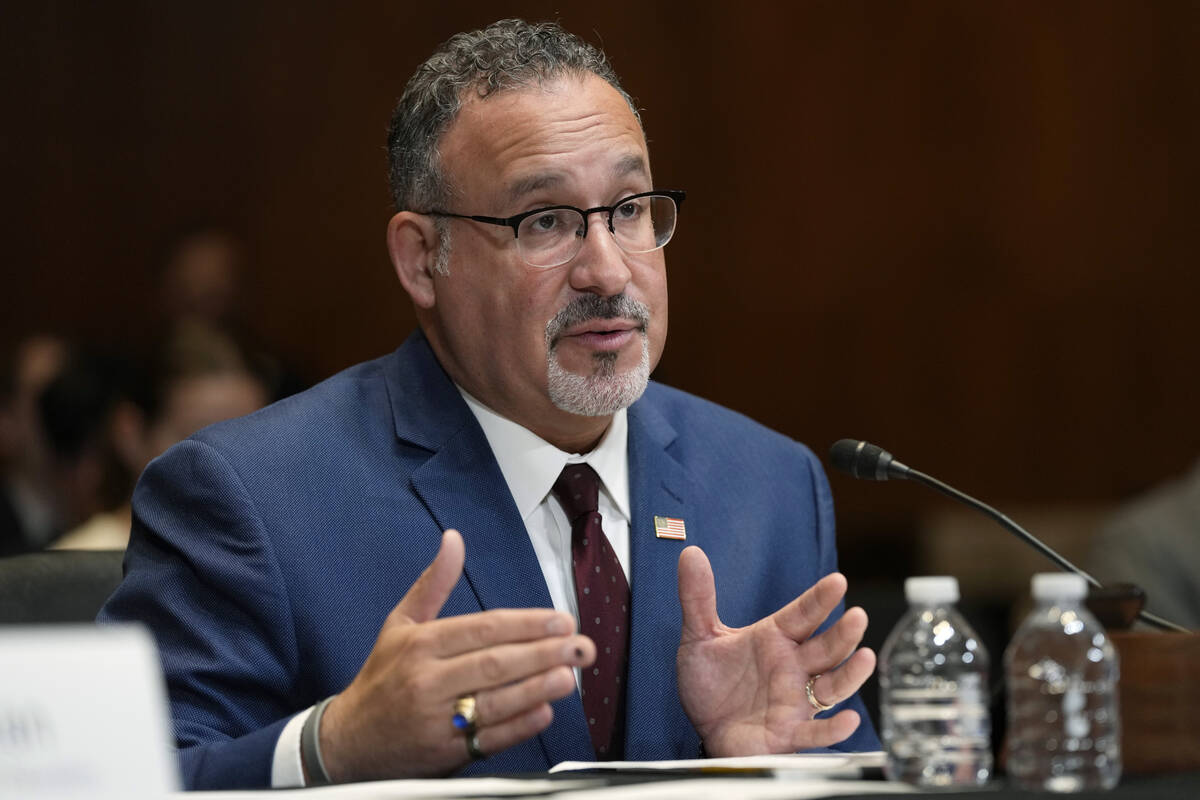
(412, 241)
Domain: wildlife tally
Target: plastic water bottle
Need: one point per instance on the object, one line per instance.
(933, 675)
(1064, 731)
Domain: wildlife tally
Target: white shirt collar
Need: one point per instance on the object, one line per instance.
(531, 465)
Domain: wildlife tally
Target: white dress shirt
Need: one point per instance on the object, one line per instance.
(530, 466)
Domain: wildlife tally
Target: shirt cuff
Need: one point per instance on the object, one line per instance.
(287, 771)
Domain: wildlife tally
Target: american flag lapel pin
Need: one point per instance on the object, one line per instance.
(670, 528)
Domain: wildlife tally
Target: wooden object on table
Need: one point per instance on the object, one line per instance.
(1160, 701)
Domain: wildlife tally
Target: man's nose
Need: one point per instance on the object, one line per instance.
(600, 266)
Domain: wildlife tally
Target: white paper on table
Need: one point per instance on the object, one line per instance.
(411, 789)
(818, 774)
(790, 765)
(714, 788)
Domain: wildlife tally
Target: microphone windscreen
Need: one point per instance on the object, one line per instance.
(859, 459)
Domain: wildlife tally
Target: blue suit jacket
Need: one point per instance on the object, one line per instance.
(267, 551)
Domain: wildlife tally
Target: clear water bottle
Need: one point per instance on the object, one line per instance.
(933, 675)
(1064, 731)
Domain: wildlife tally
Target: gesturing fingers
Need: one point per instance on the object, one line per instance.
(825, 732)
(470, 632)
(833, 687)
(843, 668)
(799, 618)
(429, 593)
(506, 663)
(396, 716)
(494, 738)
(697, 595)
(835, 645)
(505, 703)
(509, 714)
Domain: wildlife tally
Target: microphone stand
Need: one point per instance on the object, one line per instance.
(901, 471)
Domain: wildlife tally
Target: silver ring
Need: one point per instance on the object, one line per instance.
(473, 750)
(466, 714)
(812, 698)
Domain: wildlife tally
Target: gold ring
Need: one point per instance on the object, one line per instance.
(466, 716)
(473, 750)
(812, 698)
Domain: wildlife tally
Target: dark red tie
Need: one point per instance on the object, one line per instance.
(603, 595)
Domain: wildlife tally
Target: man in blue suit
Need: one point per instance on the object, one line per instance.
(319, 615)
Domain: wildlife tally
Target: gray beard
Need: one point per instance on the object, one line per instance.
(604, 391)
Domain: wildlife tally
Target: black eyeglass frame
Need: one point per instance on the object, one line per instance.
(514, 222)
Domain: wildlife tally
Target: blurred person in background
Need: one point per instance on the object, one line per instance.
(202, 284)
(1154, 541)
(28, 505)
(201, 376)
(77, 410)
(202, 277)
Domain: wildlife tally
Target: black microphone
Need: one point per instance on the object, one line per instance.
(870, 462)
(865, 461)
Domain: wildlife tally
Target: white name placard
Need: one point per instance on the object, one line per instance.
(83, 714)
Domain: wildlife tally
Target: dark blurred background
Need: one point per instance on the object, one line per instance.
(966, 231)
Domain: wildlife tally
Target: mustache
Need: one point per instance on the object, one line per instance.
(589, 306)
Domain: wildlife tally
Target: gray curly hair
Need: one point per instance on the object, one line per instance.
(507, 54)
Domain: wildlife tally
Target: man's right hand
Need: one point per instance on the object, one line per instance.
(394, 719)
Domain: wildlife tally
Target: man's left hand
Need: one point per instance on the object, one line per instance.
(743, 688)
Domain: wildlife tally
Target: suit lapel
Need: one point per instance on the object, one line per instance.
(463, 488)
(461, 483)
(656, 726)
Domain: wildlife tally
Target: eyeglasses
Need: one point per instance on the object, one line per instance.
(552, 236)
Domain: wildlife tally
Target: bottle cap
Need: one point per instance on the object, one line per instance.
(1059, 586)
(931, 589)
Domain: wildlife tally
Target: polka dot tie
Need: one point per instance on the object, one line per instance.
(603, 595)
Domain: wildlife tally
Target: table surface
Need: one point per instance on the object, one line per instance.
(674, 786)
